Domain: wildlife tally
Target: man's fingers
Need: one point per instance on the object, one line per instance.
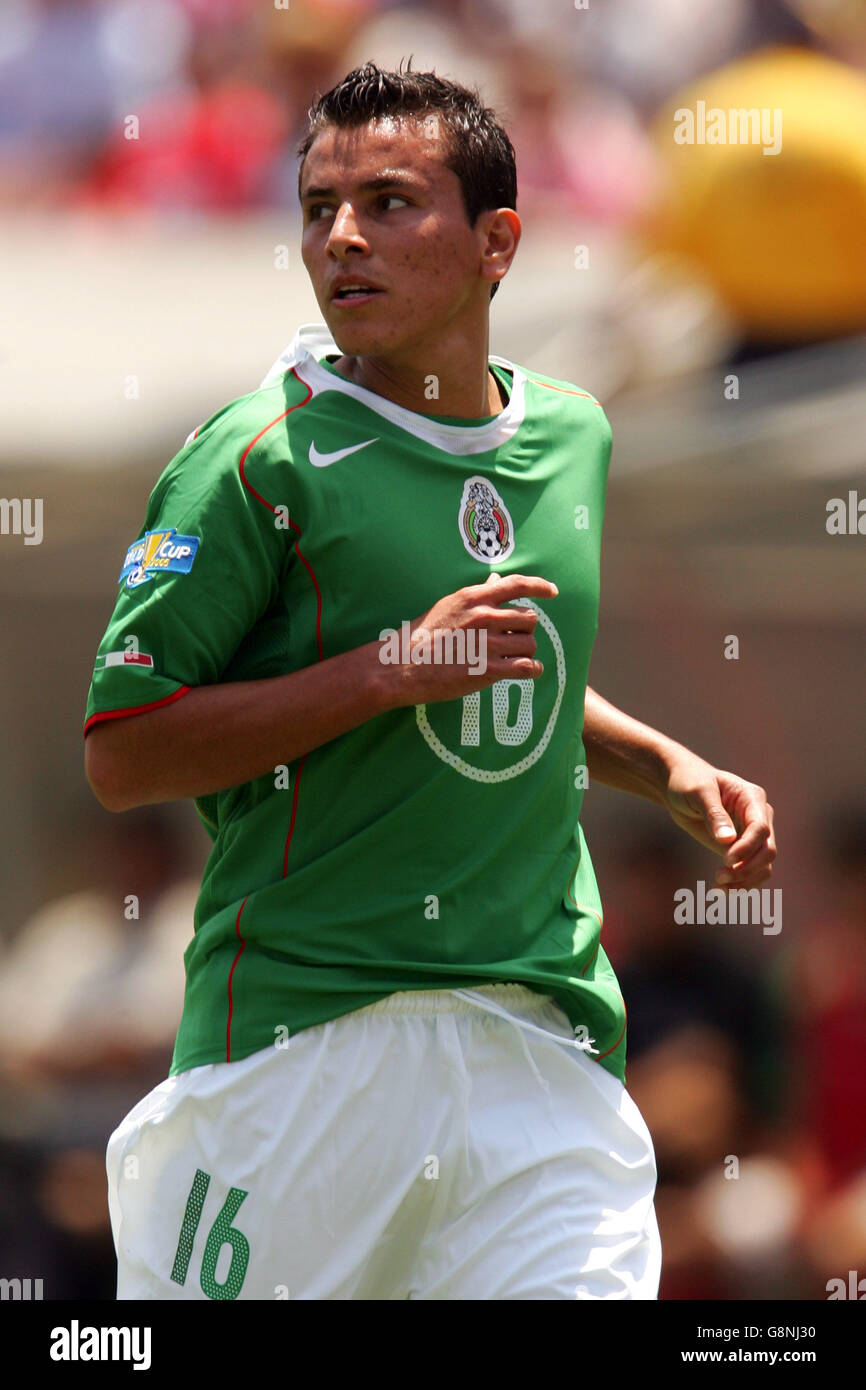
(516, 644)
(716, 818)
(751, 879)
(757, 820)
(505, 619)
(500, 588)
(748, 861)
(748, 872)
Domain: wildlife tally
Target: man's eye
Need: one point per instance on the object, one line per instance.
(315, 209)
(394, 198)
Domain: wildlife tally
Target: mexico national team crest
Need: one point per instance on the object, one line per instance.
(486, 528)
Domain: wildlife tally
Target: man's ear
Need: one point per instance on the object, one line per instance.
(499, 231)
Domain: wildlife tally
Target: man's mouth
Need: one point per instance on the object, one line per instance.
(350, 292)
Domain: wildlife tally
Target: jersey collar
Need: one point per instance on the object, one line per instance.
(313, 341)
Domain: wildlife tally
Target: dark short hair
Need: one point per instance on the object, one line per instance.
(479, 150)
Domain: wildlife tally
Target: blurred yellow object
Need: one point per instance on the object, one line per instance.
(766, 191)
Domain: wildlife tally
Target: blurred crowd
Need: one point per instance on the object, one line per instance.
(749, 1070)
(748, 1067)
(219, 89)
(183, 108)
(91, 990)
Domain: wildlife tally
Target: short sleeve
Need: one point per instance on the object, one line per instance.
(206, 565)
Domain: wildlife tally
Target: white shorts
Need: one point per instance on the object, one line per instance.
(437, 1144)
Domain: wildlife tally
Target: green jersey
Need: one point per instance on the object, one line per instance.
(436, 846)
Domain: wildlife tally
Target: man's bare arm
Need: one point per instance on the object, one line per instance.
(219, 736)
(724, 812)
(621, 752)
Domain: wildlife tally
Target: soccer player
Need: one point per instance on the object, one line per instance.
(356, 629)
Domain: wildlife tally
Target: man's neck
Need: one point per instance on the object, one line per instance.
(452, 391)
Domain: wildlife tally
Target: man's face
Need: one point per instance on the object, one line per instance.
(380, 206)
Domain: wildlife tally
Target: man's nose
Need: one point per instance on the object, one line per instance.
(345, 231)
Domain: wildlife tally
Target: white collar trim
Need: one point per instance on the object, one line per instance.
(313, 341)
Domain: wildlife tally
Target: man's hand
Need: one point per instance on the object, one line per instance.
(726, 814)
(507, 629)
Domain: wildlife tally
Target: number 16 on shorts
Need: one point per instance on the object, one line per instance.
(221, 1233)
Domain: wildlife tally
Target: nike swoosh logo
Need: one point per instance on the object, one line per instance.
(323, 460)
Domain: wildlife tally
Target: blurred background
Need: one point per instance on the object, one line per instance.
(713, 296)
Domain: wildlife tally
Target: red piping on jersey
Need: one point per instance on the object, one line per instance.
(271, 507)
(566, 391)
(589, 962)
(580, 906)
(204, 817)
(231, 972)
(135, 709)
(261, 432)
(294, 812)
(309, 567)
(619, 1039)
